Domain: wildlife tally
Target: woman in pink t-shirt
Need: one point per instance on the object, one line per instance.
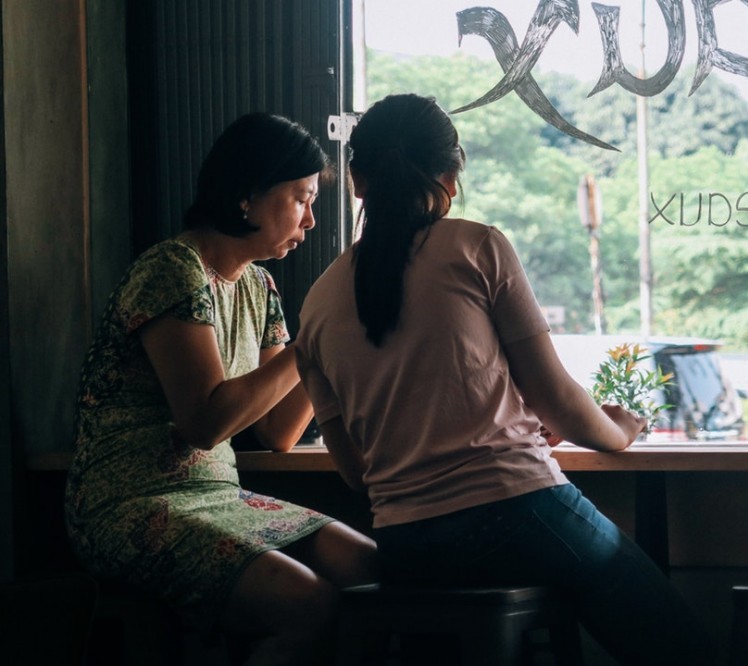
(436, 387)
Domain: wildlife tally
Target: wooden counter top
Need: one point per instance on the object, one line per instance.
(640, 457)
(645, 457)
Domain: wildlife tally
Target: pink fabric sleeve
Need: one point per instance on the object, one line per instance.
(315, 383)
(514, 308)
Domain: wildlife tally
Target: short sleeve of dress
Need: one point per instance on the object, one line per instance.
(276, 331)
(168, 277)
(515, 309)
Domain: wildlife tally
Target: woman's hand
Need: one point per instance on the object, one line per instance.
(563, 406)
(284, 424)
(206, 407)
(631, 424)
(552, 439)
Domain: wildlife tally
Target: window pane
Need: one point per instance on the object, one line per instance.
(647, 128)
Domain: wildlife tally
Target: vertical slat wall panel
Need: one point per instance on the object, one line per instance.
(197, 65)
(109, 163)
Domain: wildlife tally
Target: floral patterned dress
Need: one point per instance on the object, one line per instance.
(142, 506)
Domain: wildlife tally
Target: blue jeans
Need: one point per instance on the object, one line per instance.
(555, 537)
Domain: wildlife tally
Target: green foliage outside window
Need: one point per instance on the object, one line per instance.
(522, 176)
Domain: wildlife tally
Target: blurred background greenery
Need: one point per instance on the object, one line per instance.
(522, 176)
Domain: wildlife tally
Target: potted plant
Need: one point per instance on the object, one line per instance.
(620, 381)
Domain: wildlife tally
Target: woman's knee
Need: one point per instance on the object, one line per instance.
(338, 553)
(278, 595)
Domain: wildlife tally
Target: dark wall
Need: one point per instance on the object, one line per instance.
(110, 242)
(6, 466)
(47, 185)
(109, 110)
(193, 68)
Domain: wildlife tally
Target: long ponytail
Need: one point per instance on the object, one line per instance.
(401, 146)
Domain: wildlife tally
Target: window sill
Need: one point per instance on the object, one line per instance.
(728, 456)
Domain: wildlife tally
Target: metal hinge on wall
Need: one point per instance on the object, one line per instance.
(339, 127)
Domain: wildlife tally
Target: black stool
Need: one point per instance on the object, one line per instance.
(497, 626)
(47, 619)
(133, 629)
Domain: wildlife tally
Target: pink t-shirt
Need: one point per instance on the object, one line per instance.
(434, 411)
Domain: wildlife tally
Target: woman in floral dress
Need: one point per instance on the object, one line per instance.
(190, 351)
